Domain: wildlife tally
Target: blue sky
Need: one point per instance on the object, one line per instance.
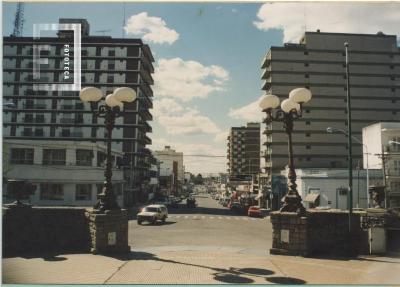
(217, 49)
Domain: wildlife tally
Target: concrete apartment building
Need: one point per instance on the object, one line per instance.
(45, 115)
(384, 156)
(171, 170)
(317, 62)
(244, 152)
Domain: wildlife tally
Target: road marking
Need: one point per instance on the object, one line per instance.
(245, 218)
(203, 217)
(194, 217)
(253, 219)
(211, 217)
(219, 217)
(178, 216)
(228, 217)
(186, 217)
(237, 218)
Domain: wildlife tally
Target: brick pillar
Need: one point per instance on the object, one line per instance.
(289, 235)
(108, 231)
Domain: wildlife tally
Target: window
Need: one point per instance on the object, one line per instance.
(110, 78)
(39, 118)
(83, 192)
(308, 135)
(306, 64)
(101, 158)
(22, 155)
(39, 132)
(84, 157)
(308, 147)
(307, 76)
(111, 53)
(51, 191)
(117, 189)
(54, 156)
(99, 188)
(308, 123)
(111, 66)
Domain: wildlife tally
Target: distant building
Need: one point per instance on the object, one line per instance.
(324, 187)
(244, 152)
(171, 169)
(317, 63)
(384, 156)
(60, 116)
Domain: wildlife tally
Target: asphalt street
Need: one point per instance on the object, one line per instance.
(209, 226)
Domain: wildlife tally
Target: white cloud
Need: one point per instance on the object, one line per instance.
(250, 112)
(152, 29)
(177, 119)
(293, 18)
(196, 164)
(166, 106)
(186, 80)
(221, 137)
(189, 122)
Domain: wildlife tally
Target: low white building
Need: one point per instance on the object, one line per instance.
(385, 156)
(329, 187)
(171, 167)
(64, 172)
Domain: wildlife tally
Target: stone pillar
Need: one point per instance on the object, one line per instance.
(108, 231)
(289, 235)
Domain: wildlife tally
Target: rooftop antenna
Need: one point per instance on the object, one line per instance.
(123, 22)
(18, 20)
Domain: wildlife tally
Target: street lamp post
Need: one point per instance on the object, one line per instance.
(332, 130)
(290, 109)
(110, 111)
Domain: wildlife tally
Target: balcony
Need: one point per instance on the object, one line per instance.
(265, 74)
(266, 60)
(145, 127)
(146, 115)
(28, 133)
(77, 134)
(67, 121)
(33, 106)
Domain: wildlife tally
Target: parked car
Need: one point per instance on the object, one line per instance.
(153, 213)
(254, 211)
(191, 202)
(235, 206)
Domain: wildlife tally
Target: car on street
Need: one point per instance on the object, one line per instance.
(254, 211)
(152, 213)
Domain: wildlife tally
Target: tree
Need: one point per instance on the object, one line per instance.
(198, 179)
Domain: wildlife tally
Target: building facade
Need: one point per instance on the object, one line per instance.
(171, 170)
(318, 64)
(384, 156)
(244, 152)
(64, 172)
(51, 115)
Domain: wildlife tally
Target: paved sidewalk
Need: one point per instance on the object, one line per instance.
(199, 264)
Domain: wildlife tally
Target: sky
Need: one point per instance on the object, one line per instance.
(208, 57)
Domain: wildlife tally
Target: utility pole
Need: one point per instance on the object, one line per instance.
(350, 156)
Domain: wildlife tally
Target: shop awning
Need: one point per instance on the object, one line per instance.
(311, 197)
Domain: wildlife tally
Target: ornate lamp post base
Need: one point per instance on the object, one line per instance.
(293, 204)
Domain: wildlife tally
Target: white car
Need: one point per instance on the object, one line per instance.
(153, 213)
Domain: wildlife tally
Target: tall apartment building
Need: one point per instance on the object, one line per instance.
(52, 115)
(318, 63)
(244, 151)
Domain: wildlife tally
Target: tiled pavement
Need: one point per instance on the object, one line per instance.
(191, 265)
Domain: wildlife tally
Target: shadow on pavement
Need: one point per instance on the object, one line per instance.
(159, 223)
(231, 275)
(234, 279)
(285, 280)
